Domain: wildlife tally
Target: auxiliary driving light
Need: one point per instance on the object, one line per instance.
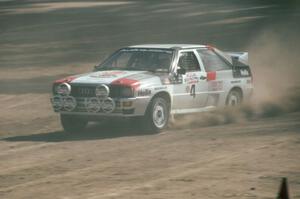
(64, 89)
(57, 102)
(108, 105)
(93, 105)
(102, 91)
(69, 103)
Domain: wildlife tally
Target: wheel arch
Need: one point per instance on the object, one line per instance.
(163, 94)
(238, 89)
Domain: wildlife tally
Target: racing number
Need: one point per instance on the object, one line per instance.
(193, 91)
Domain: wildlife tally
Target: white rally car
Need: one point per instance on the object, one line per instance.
(152, 82)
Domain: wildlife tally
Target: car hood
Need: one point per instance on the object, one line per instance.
(113, 76)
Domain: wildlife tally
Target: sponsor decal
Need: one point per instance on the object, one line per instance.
(144, 92)
(236, 81)
(127, 82)
(187, 89)
(244, 72)
(193, 91)
(108, 74)
(215, 86)
(191, 78)
(160, 88)
(241, 71)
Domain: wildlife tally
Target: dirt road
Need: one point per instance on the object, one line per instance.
(41, 41)
(244, 160)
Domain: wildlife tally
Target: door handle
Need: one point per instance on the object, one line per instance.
(202, 77)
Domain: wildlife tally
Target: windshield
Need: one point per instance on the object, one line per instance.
(139, 59)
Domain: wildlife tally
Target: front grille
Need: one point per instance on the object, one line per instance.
(89, 91)
(83, 91)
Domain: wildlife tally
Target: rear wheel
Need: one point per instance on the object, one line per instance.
(234, 98)
(73, 124)
(157, 115)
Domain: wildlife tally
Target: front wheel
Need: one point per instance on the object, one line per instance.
(73, 124)
(234, 98)
(157, 115)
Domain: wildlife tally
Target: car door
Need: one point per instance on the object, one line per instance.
(219, 75)
(191, 92)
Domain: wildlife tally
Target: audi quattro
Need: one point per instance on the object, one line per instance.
(152, 83)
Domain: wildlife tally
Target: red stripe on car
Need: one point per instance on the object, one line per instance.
(211, 76)
(65, 80)
(127, 82)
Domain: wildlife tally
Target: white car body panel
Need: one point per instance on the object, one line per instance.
(194, 91)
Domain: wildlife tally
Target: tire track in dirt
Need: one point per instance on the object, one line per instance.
(140, 149)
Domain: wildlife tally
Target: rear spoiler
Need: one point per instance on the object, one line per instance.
(241, 57)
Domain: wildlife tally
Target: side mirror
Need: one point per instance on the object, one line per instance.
(181, 71)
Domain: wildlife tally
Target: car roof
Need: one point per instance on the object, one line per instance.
(168, 46)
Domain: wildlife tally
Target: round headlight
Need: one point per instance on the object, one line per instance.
(102, 91)
(126, 92)
(63, 89)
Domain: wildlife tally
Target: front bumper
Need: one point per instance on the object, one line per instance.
(124, 107)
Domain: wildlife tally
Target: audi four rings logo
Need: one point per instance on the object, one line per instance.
(85, 91)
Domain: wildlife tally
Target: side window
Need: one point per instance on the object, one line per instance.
(211, 61)
(188, 61)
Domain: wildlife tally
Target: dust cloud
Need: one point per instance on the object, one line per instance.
(274, 61)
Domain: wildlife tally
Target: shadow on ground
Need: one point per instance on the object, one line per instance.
(94, 131)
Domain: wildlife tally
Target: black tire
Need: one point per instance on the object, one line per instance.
(157, 115)
(73, 124)
(234, 98)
